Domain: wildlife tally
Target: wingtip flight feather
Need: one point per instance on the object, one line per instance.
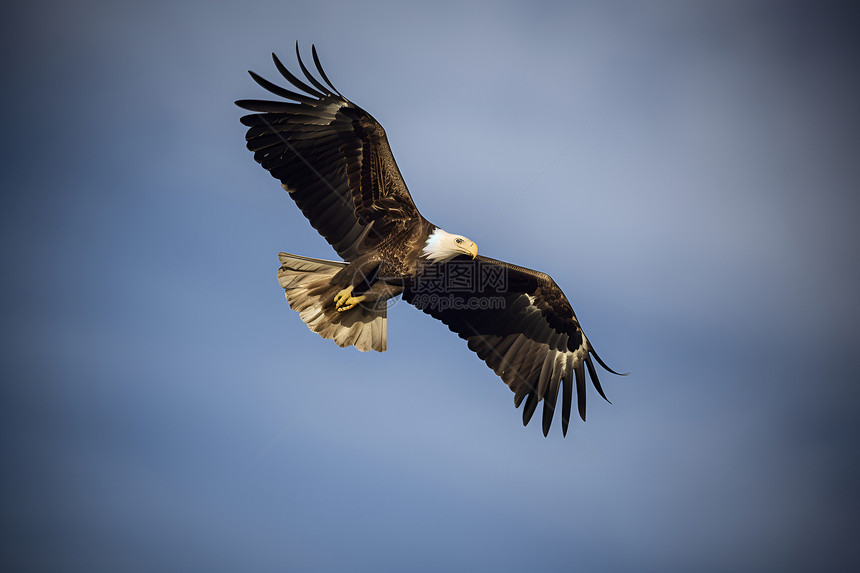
(602, 363)
(278, 90)
(579, 371)
(547, 417)
(529, 408)
(288, 75)
(566, 401)
(549, 402)
(310, 77)
(322, 71)
(594, 379)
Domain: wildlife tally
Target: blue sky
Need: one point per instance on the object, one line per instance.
(686, 172)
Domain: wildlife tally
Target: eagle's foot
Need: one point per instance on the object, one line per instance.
(340, 298)
(350, 303)
(345, 301)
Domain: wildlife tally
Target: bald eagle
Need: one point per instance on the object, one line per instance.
(333, 159)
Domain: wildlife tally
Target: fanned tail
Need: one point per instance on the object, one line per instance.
(307, 285)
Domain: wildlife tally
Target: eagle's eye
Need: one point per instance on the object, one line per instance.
(458, 241)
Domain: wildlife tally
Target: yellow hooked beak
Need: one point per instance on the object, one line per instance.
(473, 250)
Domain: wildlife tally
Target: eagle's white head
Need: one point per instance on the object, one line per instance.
(442, 246)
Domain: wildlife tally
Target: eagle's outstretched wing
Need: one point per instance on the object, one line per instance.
(332, 157)
(520, 323)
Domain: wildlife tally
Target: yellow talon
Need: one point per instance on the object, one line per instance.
(345, 301)
(350, 302)
(341, 297)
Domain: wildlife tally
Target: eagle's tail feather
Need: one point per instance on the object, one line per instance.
(307, 284)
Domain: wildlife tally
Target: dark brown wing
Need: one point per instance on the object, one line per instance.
(520, 323)
(332, 157)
